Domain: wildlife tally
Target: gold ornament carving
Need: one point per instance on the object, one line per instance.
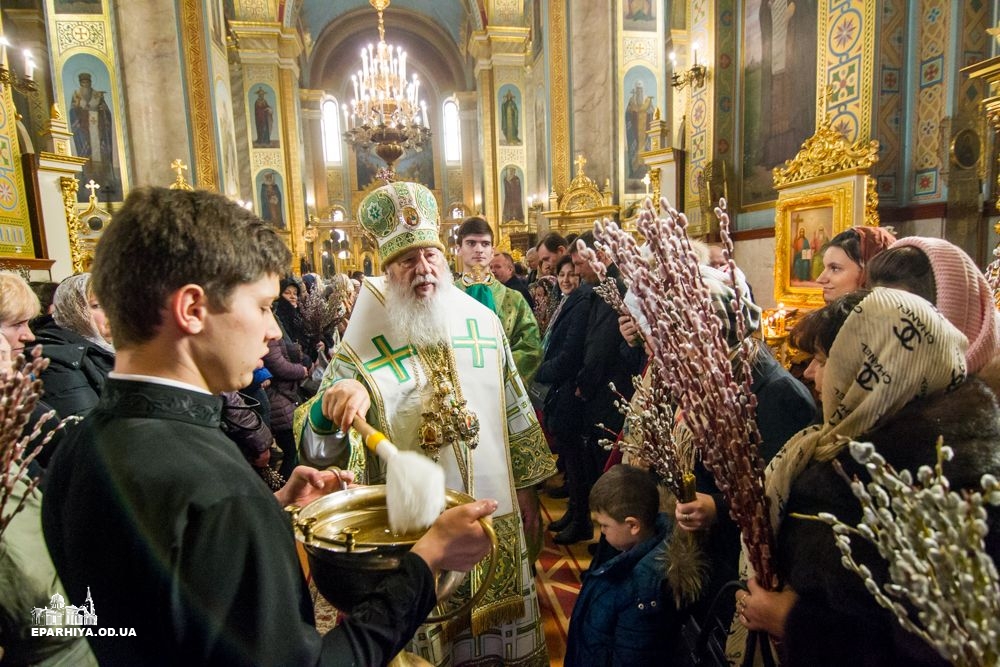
(559, 104)
(199, 93)
(654, 182)
(826, 152)
(80, 255)
(71, 34)
(871, 202)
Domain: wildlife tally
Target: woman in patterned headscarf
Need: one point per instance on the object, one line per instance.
(78, 344)
(891, 370)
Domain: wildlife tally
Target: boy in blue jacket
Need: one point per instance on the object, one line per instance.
(621, 615)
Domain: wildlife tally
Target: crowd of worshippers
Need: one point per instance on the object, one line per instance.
(904, 352)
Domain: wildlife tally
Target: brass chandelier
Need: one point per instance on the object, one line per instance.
(386, 112)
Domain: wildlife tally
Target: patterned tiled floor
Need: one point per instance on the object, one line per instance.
(558, 581)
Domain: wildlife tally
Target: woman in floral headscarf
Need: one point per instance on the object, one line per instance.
(546, 293)
(891, 370)
(78, 344)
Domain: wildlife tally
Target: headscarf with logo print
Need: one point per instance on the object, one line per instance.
(892, 349)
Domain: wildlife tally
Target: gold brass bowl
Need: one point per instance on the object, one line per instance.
(350, 548)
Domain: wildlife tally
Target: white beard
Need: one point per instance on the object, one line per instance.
(419, 322)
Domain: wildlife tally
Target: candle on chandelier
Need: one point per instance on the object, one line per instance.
(695, 49)
(423, 112)
(4, 43)
(29, 65)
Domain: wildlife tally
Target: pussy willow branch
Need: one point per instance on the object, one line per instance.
(692, 361)
(943, 585)
(19, 394)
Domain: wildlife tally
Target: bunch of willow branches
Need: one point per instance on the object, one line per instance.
(321, 314)
(19, 394)
(692, 364)
(943, 586)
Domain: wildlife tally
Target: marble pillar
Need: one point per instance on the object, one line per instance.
(593, 124)
(150, 56)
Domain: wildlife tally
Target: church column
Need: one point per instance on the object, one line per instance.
(151, 50)
(473, 171)
(269, 53)
(314, 151)
(502, 53)
(592, 105)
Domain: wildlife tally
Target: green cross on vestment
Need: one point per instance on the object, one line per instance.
(475, 343)
(390, 357)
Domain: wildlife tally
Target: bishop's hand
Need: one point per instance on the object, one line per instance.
(344, 401)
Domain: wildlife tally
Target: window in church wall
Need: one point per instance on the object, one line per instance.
(331, 132)
(452, 132)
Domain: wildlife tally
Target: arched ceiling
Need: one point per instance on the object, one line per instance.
(432, 54)
(450, 15)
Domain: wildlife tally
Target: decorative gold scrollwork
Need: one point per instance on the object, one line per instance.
(826, 152)
(78, 251)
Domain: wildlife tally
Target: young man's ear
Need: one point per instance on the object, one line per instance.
(188, 307)
(634, 525)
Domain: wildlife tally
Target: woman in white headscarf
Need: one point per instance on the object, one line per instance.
(78, 345)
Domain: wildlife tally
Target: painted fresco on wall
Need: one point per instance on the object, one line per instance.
(512, 186)
(640, 101)
(271, 198)
(87, 89)
(15, 230)
(510, 115)
(639, 15)
(415, 166)
(264, 116)
(216, 23)
(78, 6)
(226, 139)
(779, 89)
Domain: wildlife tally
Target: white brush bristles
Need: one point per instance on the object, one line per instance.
(415, 491)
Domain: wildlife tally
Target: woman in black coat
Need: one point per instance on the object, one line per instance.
(890, 370)
(563, 413)
(77, 342)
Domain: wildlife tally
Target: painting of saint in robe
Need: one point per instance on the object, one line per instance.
(513, 193)
(510, 112)
(271, 209)
(265, 129)
(639, 82)
(92, 122)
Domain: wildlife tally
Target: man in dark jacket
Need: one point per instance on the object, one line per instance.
(153, 510)
(607, 360)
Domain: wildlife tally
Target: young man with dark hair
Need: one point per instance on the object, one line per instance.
(621, 615)
(550, 249)
(475, 241)
(151, 508)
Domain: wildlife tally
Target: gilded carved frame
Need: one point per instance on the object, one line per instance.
(826, 188)
(818, 212)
